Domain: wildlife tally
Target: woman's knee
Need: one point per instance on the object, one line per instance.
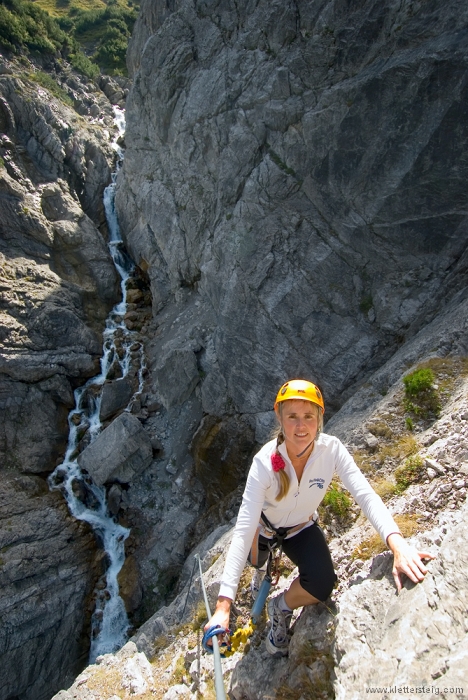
(319, 587)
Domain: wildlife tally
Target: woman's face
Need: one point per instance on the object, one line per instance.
(300, 423)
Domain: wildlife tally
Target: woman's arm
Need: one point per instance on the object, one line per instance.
(406, 560)
(221, 614)
(247, 520)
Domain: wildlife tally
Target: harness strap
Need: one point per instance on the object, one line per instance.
(282, 532)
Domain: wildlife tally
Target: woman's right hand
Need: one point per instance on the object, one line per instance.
(221, 614)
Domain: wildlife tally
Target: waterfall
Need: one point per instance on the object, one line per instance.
(86, 501)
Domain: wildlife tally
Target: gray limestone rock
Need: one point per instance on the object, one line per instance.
(57, 285)
(120, 452)
(48, 569)
(115, 396)
(176, 376)
(289, 168)
(419, 637)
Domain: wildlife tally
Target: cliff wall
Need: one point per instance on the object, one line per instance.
(57, 284)
(294, 185)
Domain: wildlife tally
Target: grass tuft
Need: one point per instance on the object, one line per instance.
(373, 545)
(409, 472)
(337, 501)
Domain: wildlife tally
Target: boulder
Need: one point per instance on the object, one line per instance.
(115, 396)
(119, 453)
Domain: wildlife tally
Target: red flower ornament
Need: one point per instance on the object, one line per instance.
(277, 462)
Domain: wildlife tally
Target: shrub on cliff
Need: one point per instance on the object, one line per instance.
(89, 39)
(421, 397)
(23, 25)
(104, 33)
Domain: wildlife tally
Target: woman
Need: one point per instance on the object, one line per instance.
(287, 481)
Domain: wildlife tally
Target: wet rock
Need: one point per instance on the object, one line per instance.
(129, 584)
(114, 499)
(119, 453)
(115, 396)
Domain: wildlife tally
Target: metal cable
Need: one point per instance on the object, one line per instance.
(219, 684)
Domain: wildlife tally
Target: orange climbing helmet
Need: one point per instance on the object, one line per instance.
(300, 389)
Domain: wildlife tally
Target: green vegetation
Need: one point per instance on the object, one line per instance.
(46, 81)
(280, 163)
(84, 65)
(312, 687)
(398, 450)
(421, 397)
(25, 26)
(179, 671)
(412, 470)
(418, 381)
(409, 423)
(385, 488)
(380, 428)
(91, 34)
(199, 616)
(337, 501)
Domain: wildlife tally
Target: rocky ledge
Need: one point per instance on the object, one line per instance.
(366, 636)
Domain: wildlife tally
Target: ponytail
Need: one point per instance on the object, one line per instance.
(282, 476)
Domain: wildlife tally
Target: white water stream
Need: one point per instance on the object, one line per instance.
(122, 353)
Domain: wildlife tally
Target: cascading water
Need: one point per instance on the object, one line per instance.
(122, 354)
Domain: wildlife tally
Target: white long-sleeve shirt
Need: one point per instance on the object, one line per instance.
(300, 503)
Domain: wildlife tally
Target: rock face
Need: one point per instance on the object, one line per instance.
(119, 453)
(366, 636)
(57, 279)
(294, 184)
(294, 189)
(419, 637)
(48, 568)
(57, 284)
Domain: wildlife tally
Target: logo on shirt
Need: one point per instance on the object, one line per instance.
(316, 482)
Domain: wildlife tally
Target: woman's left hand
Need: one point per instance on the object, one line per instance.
(406, 560)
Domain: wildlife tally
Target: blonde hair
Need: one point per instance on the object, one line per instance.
(282, 477)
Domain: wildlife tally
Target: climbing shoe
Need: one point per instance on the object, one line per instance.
(277, 640)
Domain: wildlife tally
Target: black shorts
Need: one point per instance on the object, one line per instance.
(308, 550)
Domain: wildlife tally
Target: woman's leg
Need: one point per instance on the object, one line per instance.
(296, 596)
(309, 551)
